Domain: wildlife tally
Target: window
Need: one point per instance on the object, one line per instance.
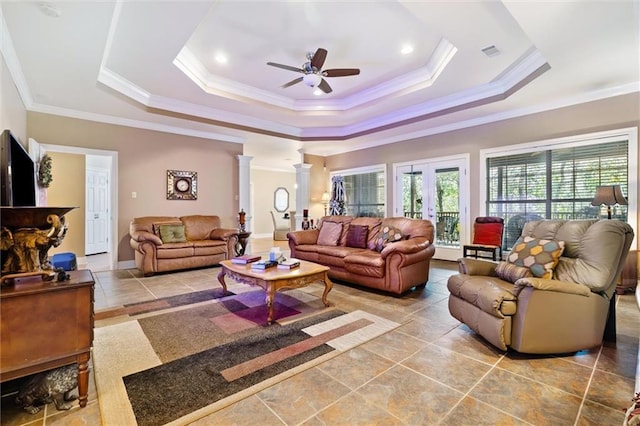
(365, 191)
(557, 181)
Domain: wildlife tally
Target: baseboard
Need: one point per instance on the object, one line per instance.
(269, 235)
(127, 264)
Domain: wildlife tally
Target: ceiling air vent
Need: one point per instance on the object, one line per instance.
(491, 51)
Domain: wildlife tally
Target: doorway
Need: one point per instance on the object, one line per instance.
(437, 190)
(106, 162)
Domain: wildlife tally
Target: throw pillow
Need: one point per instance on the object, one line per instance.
(512, 273)
(357, 236)
(539, 255)
(329, 234)
(388, 234)
(172, 234)
(156, 226)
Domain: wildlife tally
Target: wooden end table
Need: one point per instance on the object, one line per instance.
(241, 245)
(274, 279)
(47, 324)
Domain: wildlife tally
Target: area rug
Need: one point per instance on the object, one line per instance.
(177, 365)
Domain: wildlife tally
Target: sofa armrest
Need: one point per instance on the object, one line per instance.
(477, 267)
(551, 285)
(413, 245)
(223, 234)
(309, 236)
(141, 236)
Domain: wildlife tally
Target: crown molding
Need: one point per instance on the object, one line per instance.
(139, 124)
(418, 79)
(13, 64)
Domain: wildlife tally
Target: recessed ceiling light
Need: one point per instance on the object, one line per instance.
(318, 92)
(406, 49)
(221, 58)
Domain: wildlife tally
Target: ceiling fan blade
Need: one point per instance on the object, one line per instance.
(324, 86)
(285, 67)
(341, 72)
(292, 82)
(318, 58)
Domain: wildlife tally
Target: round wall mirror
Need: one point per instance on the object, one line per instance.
(281, 200)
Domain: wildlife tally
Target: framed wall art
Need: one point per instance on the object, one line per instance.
(182, 185)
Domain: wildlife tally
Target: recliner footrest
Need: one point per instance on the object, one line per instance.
(485, 293)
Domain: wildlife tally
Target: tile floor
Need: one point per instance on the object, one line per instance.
(432, 370)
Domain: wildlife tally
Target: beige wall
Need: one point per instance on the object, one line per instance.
(263, 185)
(319, 182)
(67, 190)
(608, 114)
(13, 115)
(144, 156)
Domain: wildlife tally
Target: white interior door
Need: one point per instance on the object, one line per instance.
(436, 190)
(97, 211)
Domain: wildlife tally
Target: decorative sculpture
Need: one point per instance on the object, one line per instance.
(53, 385)
(26, 236)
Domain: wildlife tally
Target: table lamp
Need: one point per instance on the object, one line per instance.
(609, 195)
(326, 197)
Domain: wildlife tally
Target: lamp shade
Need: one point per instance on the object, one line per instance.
(609, 195)
(326, 197)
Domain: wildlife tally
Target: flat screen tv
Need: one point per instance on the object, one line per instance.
(17, 172)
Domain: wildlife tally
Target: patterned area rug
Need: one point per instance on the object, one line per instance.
(176, 365)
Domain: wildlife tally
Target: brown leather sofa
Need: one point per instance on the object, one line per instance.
(565, 312)
(398, 267)
(190, 242)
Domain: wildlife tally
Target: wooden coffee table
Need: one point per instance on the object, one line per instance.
(274, 279)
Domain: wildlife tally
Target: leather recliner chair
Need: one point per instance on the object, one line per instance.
(565, 313)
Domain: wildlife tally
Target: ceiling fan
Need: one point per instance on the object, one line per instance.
(313, 72)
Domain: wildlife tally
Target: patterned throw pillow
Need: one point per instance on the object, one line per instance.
(357, 236)
(512, 273)
(330, 234)
(157, 225)
(388, 234)
(172, 234)
(540, 256)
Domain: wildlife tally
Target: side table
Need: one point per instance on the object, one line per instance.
(241, 245)
(47, 324)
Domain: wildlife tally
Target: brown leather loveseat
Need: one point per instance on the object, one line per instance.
(390, 254)
(165, 243)
(555, 292)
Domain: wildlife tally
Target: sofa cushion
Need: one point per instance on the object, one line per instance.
(388, 234)
(175, 251)
(172, 234)
(330, 234)
(539, 255)
(365, 262)
(512, 272)
(357, 236)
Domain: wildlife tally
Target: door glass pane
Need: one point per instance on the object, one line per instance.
(412, 194)
(447, 206)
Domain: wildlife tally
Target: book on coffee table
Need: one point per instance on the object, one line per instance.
(264, 264)
(289, 264)
(244, 259)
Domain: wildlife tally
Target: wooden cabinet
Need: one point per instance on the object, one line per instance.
(45, 325)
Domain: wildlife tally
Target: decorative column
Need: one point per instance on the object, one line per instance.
(244, 188)
(303, 173)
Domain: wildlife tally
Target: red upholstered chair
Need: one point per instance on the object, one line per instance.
(487, 238)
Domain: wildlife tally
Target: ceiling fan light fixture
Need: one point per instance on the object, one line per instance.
(311, 80)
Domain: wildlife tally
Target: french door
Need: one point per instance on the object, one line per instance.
(436, 190)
